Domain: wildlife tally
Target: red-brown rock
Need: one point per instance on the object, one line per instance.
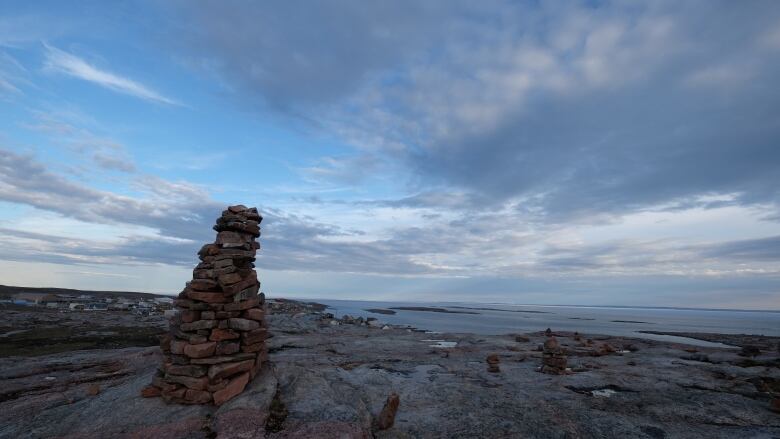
(254, 314)
(224, 370)
(208, 297)
(197, 396)
(242, 285)
(223, 334)
(200, 350)
(189, 382)
(239, 306)
(199, 324)
(254, 336)
(190, 370)
(150, 392)
(227, 348)
(234, 387)
(243, 324)
(386, 417)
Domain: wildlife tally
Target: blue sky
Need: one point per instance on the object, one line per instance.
(608, 153)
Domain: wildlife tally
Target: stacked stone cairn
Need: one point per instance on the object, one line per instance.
(216, 343)
(553, 357)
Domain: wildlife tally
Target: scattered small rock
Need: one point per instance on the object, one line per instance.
(93, 390)
(150, 392)
(492, 361)
(386, 417)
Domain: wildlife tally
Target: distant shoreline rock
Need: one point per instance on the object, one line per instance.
(380, 311)
(431, 309)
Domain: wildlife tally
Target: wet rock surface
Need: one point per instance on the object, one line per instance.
(333, 380)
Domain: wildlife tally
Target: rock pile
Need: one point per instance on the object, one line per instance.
(216, 342)
(553, 358)
(492, 363)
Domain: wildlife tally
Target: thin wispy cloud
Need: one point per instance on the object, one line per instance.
(71, 65)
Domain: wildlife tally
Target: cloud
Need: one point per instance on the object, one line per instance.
(350, 170)
(78, 136)
(63, 62)
(177, 210)
(763, 249)
(113, 163)
(567, 110)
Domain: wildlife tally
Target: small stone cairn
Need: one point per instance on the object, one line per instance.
(216, 343)
(553, 357)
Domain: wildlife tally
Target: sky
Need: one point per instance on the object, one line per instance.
(595, 153)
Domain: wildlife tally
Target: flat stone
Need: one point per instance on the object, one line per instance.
(253, 348)
(150, 392)
(224, 370)
(189, 382)
(160, 383)
(175, 394)
(203, 273)
(235, 253)
(247, 294)
(254, 314)
(197, 396)
(238, 208)
(227, 314)
(227, 348)
(226, 270)
(177, 347)
(243, 324)
(223, 359)
(234, 387)
(229, 279)
(203, 285)
(208, 250)
(200, 350)
(208, 315)
(254, 336)
(223, 334)
(223, 264)
(246, 304)
(242, 285)
(207, 297)
(190, 370)
(200, 324)
(188, 316)
(229, 238)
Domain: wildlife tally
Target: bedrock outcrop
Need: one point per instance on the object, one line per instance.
(333, 381)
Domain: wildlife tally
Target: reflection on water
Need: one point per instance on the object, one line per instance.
(503, 319)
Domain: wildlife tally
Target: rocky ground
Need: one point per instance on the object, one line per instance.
(31, 331)
(330, 379)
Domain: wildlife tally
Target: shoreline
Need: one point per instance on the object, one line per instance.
(331, 377)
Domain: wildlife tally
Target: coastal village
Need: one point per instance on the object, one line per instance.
(87, 302)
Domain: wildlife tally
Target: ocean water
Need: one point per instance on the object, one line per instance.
(620, 321)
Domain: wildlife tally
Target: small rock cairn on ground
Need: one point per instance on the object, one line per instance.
(553, 357)
(216, 342)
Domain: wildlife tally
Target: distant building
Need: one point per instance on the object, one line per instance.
(34, 298)
(96, 306)
(76, 306)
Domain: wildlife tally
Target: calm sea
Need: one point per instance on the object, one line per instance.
(621, 321)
